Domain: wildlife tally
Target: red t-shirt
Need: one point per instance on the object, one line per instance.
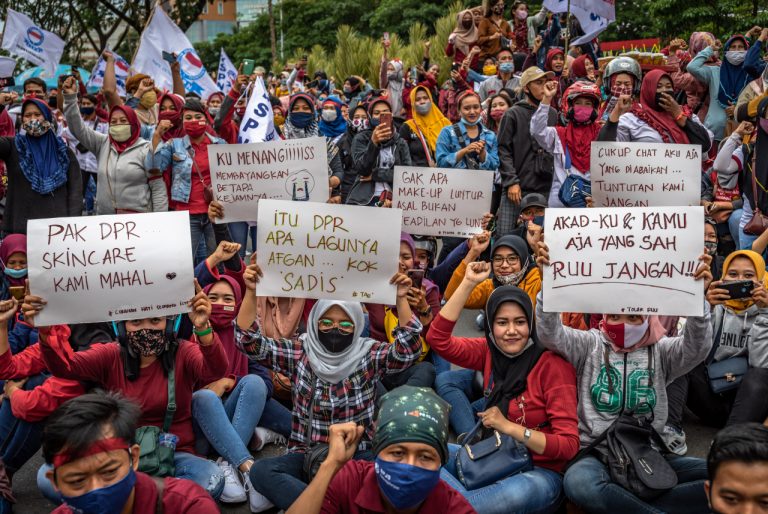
(179, 497)
(197, 203)
(355, 490)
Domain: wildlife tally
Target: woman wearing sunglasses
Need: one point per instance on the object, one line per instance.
(334, 374)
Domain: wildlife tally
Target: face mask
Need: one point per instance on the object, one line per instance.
(329, 116)
(658, 97)
(300, 119)
(16, 273)
(147, 341)
(582, 113)
(335, 341)
(120, 133)
(359, 124)
(148, 99)
(393, 76)
(496, 114)
(498, 9)
(735, 57)
(405, 486)
(105, 499)
(512, 279)
(626, 336)
(194, 128)
(87, 111)
(52, 102)
(423, 109)
(489, 70)
(347, 89)
(711, 247)
(172, 116)
(532, 99)
(521, 15)
(374, 122)
(36, 128)
(618, 91)
(470, 123)
(222, 315)
(240, 111)
(507, 67)
(466, 25)
(214, 111)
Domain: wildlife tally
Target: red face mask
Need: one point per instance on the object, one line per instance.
(496, 114)
(172, 116)
(222, 315)
(194, 128)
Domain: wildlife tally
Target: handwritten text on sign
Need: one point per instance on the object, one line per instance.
(442, 202)
(101, 268)
(241, 175)
(624, 260)
(645, 174)
(318, 250)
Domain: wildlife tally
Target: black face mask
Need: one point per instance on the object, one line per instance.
(658, 97)
(52, 102)
(532, 98)
(335, 341)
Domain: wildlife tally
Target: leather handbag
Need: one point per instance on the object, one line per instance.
(490, 460)
(759, 222)
(727, 374)
(158, 448)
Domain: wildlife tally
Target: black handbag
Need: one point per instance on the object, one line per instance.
(727, 374)
(316, 453)
(490, 460)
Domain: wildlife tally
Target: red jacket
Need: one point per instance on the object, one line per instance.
(550, 395)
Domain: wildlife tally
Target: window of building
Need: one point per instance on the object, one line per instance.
(221, 7)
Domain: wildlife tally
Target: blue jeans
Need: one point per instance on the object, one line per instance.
(228, 425)
(537, 491)
(457, 387)
(281, 479)
(588, 484)
(276, 418)
(441, 365)
(240, 230)
(20, 439)
(733, 226)
(201, 471)
(201, 230)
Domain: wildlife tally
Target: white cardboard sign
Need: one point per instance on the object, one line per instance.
(241, 175)
(442, 202)
(100, 268)
(624, 260)
(645, 174)
(320, 250)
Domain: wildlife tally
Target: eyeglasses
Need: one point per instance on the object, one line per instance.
(325, 325)
(512, 259)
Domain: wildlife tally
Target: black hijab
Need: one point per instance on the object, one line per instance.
(520, 247)
(510, 374)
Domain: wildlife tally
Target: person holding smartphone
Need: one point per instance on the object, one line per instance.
(740, 317)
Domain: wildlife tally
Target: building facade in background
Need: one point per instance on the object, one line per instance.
(222, 16)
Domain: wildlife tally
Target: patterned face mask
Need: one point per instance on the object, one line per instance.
(618, 90)
(36, 128)
(146, 342)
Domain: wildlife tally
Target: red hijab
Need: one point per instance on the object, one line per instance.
(177, 128)
(133, 121)
(577, 140)
(659, 120)
(238, 362)
(551, 55)
(13, 243)
(579, 68)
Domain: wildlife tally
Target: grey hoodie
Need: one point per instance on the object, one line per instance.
(743, 335)
(587, 351)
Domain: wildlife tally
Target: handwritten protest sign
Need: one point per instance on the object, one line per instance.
(645, 174)
(241, 175)
(442, 202)
(624, 260)
(101, 268)
(320, 250)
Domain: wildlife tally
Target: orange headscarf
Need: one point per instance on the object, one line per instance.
(758, 262)
(429, 125)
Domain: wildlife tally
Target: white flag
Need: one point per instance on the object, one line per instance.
(593, 15)
(227, 73)
(122, 70)
(163, 35)
(258, 124)
(24, 39)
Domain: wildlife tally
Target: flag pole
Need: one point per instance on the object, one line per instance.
(146, 24)
(567, 31)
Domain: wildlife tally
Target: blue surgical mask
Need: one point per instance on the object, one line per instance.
(405, 486)
(105, 499)
(468, 123)
(300, 119)
(16, 273)
(374, 122)
(507, 67)
(87, 111)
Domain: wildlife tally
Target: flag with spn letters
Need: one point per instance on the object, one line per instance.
(24, 39)
(227, 73)
(258, 124)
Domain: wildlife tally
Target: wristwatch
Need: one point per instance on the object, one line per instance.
(527, 435)
(426, 312)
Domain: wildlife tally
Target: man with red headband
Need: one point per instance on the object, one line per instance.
(89, 440)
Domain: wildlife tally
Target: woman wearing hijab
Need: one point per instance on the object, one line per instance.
(332, 124)
(531, 395)
(657, 118)
(13, 259)
(627, 352)
(44, 179)
(126, 183)
(334, 372)
(740, 331)
(358, 122)
(422, 130)
(463, 39)
(354, 89)
(512, 265)
(171, 107)
(555, 62)
(392, 78)
(376, 151)
(494, 32)
(570, 145)
(582, 68)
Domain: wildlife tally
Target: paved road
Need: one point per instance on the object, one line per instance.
(29, 500)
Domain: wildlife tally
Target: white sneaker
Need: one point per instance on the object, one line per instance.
(264, 436)
(256, 501)
(674, 439)
(233, 492)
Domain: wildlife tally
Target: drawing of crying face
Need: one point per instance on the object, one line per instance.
(299, 185)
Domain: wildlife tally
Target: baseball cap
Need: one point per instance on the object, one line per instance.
(533, 200)
(534, 73)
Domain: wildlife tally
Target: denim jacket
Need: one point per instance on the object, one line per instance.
(179, 153)
(448, 146)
